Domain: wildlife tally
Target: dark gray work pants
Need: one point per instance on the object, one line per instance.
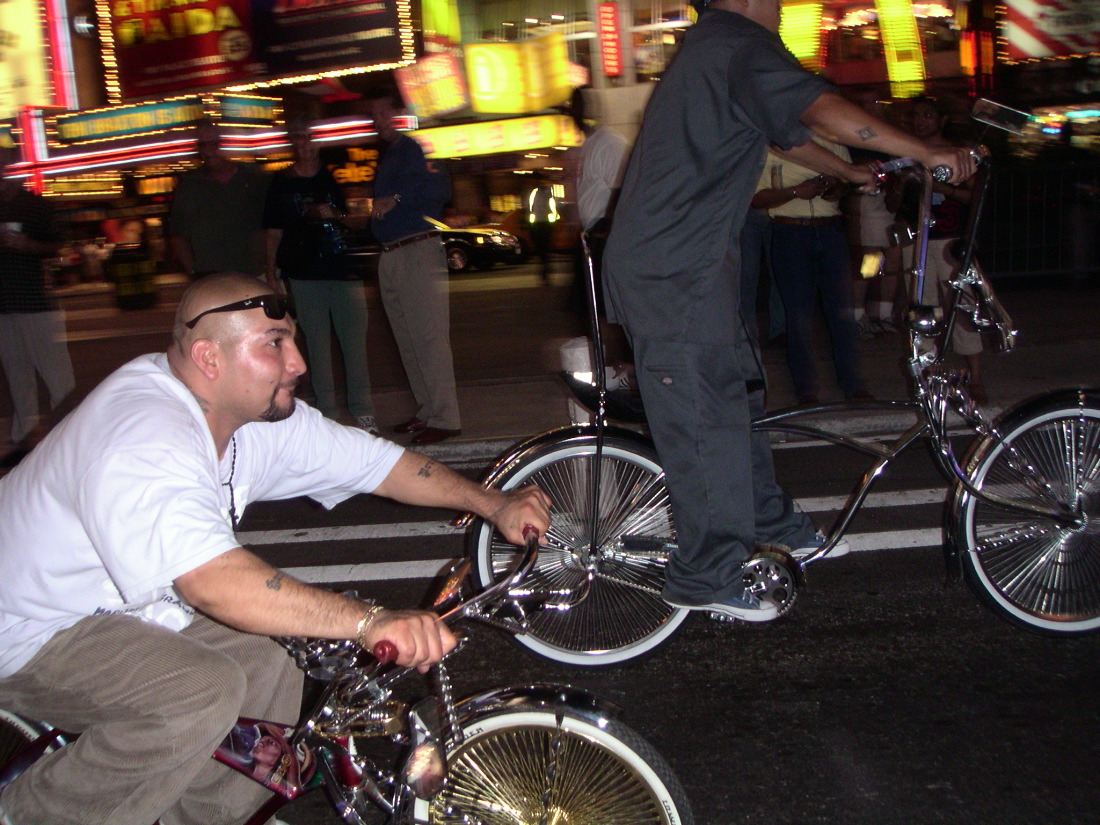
(720, 476)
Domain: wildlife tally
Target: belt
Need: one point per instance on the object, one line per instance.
(386, 247)
(805, 221)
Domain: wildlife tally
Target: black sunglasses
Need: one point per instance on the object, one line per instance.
(275, 307)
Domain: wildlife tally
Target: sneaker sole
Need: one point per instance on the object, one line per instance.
(765, 613)
(843, 548)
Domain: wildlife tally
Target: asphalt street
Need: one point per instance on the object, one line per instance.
(886, 696)
(883, 698)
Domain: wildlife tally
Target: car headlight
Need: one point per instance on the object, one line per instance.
(504, 240)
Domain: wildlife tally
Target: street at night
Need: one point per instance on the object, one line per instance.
(883, 697)
(258, 257)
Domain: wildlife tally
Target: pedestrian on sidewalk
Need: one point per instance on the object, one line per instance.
(809, 257)
(876, 261)
(542, 214)
(412, 273)
(32, 325)
(214, 223)
(305, 245)
(597, 168)
(671, 274)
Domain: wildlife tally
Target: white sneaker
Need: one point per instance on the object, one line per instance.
(367, 422)
(747, 608)
(842, 548)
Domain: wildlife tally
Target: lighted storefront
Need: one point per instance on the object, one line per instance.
(485, 78)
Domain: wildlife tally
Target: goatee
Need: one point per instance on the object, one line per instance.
(276, 413)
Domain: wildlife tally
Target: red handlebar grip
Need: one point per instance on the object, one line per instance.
(385, 651)
(530, 530)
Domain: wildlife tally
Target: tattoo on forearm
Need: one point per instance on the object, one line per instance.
(867, 133)
(426, 470)
(276, 581)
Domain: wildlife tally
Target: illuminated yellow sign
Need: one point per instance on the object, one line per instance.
(517, 135)
(23, 74)
(440, 23)
(800, 31)
(433, 86)
(514, 78)
(902, 47)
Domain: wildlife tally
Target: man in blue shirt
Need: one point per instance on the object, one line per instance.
(412, 274)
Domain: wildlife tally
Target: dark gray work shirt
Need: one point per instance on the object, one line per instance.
(670, 268)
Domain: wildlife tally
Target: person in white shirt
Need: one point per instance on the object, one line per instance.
(128, 610)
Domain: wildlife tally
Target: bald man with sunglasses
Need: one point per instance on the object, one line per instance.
(128, 610)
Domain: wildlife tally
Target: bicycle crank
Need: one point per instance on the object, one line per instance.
(772, 574)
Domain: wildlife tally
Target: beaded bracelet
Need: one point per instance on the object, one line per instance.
(364, 623)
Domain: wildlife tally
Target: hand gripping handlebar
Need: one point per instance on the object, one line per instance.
(385, 651)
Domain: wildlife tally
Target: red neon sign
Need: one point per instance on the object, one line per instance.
(607, 16)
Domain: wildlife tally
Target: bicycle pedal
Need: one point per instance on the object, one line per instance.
(725, 618)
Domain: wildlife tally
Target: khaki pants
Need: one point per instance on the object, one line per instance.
(151, 705)
(412, 280)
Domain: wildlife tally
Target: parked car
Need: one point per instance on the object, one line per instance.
(478, 248)
(469, 248)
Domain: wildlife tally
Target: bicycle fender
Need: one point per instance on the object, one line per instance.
(1079, 396)
(561, 435)
(544, 696)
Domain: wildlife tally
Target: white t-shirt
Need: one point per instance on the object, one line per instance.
(127, 493)
(602, 162)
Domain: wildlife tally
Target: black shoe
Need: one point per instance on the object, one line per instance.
(413, 425)
(430, 435)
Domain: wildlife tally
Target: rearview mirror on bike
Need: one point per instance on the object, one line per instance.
(999, 116)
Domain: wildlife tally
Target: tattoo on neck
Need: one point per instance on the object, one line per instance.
(204, 404)
(866, 133)
(426, 470)
(276, 581)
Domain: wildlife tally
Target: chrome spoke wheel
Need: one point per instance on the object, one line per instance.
(1033, 570)
(608, 595)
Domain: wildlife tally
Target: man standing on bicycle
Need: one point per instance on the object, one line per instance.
(128, 611)
(672, 270)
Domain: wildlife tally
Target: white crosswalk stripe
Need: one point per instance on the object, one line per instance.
(424, 569)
